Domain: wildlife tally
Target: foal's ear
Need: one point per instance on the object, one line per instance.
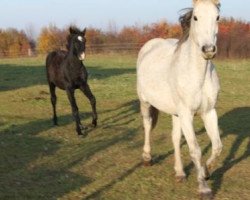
(84, 31)
(73, 30)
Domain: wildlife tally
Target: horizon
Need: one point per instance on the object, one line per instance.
(101, 14)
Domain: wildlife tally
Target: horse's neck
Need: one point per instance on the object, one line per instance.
(192, 60)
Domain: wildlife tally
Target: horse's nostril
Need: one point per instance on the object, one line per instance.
(208, 48)
(203, 49)
(214, 49)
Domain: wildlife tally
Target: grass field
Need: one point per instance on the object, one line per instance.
(39, 161)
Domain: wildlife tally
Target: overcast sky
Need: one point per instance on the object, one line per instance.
(99, 13)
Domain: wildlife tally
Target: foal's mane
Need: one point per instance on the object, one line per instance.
(73, 30)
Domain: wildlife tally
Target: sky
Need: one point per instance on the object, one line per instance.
(23, 14)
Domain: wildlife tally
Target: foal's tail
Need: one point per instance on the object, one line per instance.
(154, 115)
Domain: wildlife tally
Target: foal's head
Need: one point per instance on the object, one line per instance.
(76, 42)
(204, 26)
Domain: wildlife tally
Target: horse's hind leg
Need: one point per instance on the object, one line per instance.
(86, 90)
(211, 124)
(149, 115)
(53, 98)
(176, 138)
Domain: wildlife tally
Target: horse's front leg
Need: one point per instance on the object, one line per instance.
(176, 138)
(86, 90)
(186, 120)
(210, 120)
(79, 127)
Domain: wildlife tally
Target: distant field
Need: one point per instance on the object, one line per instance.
(39, 161)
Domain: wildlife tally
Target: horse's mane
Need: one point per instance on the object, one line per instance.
(185, 21)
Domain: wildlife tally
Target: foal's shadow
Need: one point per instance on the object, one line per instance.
(21, 147)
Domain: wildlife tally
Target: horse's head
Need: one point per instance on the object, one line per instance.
(76, 42)
(204, 26)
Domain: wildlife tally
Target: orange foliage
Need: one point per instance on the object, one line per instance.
(51, 38)
(233, 37)
(13, 43)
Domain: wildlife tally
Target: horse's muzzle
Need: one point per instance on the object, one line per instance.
(209, 51)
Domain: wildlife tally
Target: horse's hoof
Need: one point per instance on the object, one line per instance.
(206, 196)
(207, 174)
(180, 179)
(147, 163)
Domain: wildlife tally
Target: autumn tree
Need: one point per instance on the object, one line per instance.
(51, 38)
(13, 43)
(234, 39)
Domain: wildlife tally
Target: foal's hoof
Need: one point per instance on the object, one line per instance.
(82, 131)
(206, 196)
(94, 123)
(55, 123)
(83, 135)
(180, 179)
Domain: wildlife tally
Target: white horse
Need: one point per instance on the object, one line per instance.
(179, 78)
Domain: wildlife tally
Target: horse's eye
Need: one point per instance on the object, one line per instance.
(218, 18)
(195, 18)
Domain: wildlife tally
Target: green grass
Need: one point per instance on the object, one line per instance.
(39, 161)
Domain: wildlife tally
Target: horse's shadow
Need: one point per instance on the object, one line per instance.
(235, 122)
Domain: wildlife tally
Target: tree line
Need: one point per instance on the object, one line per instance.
(233, 39)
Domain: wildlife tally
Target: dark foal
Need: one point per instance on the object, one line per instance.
(66, 71)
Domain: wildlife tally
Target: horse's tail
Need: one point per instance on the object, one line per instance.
(154, 113)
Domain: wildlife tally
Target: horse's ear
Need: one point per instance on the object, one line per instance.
(84, 31)
(195, 1)
(216, 2)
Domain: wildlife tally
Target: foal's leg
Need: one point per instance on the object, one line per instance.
(52, 89)
(147, 123)
(176, 138)
(86, 90)
(186, 120)
(79, 127)
(211, 124)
